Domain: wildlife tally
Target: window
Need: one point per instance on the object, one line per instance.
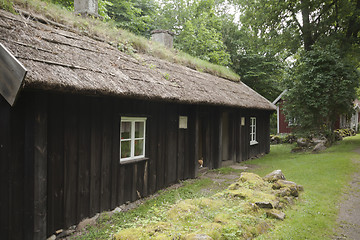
(292, 122)
(253, 131)
(132, 138)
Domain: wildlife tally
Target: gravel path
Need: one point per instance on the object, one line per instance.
(349, 214)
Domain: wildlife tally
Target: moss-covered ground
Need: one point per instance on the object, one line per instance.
(212, 205)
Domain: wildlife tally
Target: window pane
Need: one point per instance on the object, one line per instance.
(139, 129)
(125, 149)
(139, 147)
(125, 130)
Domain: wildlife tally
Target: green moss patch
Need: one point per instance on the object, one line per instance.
(239, 212)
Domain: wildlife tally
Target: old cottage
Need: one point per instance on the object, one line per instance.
(93, 128)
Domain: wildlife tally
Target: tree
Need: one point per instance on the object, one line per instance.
(201, 37)
(134, 15)
(322, 87)
(197, 28)
(259, 67)
(291, 24)
(325, 36)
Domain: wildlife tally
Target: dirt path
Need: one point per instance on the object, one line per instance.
(349, 214)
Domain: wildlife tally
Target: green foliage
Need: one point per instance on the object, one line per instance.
(198, 29)
(7, 5)
(135, 15)
(260, 71)
(258, 65)
(103, 5)
(290, 25)
(283, 28)
(322, 87)
(341, 133)
(201, 37)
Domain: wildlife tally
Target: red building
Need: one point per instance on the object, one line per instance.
(283, 126)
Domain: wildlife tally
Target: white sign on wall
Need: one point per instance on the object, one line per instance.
(183, 122)
(242, 121)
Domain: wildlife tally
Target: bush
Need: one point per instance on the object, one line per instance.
(284, 138)
(341, 133)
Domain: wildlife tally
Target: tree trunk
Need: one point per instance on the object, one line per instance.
(306, 29)
(354, 23)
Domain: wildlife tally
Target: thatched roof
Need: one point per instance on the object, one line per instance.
(62, 60)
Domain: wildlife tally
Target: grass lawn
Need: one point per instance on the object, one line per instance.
(324, 177)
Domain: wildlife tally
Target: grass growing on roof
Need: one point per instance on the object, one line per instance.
(124, 40)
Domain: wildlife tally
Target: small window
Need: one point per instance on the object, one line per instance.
(132, 138)
(253, 131)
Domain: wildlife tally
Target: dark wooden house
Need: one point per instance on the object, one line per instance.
(93, 128)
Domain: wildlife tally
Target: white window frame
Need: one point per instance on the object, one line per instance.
(133, 120)
(253, 131)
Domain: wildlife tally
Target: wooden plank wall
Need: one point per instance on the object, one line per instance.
(20, 202)
(239, 136)
(80, 137)
(84, 174)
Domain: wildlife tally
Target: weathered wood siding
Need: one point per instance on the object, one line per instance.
(84, 173)
(60, 153)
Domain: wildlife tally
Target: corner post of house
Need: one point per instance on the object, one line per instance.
(40, 166)
(267, 132)
(218, 139)
(238, 138)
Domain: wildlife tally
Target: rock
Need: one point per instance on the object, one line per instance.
(52, 237)
(275, 139)
(302, 142)
(198, 237)
(117, 210)
(284, 192)
(264, 205)
(319, 147)
(293, 191)
(285, 183)
(251, 178)
(276, 204)
(300, 188)
(319, 140)
(290, 200)
(275, 214)
(287, 188)
(274, 176)
(65, 233)
(87, 222)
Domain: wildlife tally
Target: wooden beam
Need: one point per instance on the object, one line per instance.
(40, 167)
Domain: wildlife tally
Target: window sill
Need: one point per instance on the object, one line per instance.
(253, 143)
(124, 162)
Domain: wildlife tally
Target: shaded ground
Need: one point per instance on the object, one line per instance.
(349, 214)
